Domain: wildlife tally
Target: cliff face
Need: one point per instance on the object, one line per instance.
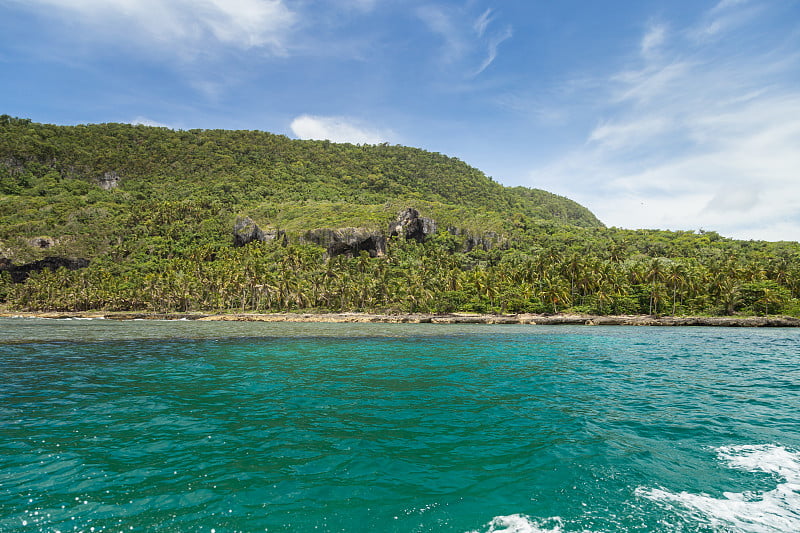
(411, 225)
(20, 273)
(245, 231)
(351, 241)
(347, 241)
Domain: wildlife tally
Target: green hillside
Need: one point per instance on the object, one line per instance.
(152, 212)
(50, 176)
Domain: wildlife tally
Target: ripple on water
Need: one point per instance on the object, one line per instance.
(343, 428)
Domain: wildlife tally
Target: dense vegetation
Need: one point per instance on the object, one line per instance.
(159, 238)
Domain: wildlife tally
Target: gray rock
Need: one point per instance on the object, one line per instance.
(412, 226)
(347, 241)
(485, 241)
(42, 242)
(245, 231)
(109, 180)
(20, 273)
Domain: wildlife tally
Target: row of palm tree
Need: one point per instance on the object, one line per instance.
(417, 278)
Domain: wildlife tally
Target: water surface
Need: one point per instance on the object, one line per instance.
(200, 426)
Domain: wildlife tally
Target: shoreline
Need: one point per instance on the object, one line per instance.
(419, 318)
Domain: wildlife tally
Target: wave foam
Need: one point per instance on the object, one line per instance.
(517, 523)
(774, 511)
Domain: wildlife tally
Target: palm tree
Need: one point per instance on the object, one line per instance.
(555, 293)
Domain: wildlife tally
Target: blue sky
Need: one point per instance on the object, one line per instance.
(667, 114)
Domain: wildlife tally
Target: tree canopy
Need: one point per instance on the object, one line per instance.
(152, 209)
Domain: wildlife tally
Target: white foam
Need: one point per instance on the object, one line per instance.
(774, 511)
(517, 523)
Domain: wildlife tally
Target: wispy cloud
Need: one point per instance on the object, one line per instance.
(482, 22)
(492, 46)
(181, 24)
(444, 24)
(708, 142)
(337, 129)
(466, 38)
(653, 39)
(723, 17)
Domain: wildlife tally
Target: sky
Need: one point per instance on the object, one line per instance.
(668, 114)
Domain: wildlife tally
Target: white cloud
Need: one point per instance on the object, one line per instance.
(654, 82)
(618, 135)
(709, 143)
(337, 129)
(723, 17)
(482, 22)
(653, 39)
(444, 24)
(493, 45)
(465, 37)
(185, 24)
(144, 121)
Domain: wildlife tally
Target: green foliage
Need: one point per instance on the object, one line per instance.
(161, 239)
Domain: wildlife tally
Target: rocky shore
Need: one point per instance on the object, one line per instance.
(455, 318)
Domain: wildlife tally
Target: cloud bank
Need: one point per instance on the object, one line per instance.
(693, 136)
(184, 24)
(337, 129)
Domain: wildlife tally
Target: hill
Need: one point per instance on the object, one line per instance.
(86, 183)
(152, 211)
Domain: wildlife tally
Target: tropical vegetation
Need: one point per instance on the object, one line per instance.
(153, 209)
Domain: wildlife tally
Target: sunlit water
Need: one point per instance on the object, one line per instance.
(189, 426)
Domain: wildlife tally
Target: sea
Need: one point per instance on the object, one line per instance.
(244, 426)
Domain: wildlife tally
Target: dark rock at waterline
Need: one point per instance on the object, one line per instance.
(245, 231)
(20, 273)
(348, 241)
(412, 226)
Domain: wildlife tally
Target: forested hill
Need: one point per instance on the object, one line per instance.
(255, 171)
(146, 218)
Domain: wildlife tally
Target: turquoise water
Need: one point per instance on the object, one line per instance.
(189, 426)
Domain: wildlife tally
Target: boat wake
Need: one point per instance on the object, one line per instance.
(517, 523)
(777, 510)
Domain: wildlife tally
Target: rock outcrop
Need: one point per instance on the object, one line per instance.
(348, 241)
(352, 241)
(20, 273)
(109, 180)
(412, 226)
(245, 231)
(485, 241)
(42, 242)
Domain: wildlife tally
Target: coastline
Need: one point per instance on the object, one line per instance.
(418, 318)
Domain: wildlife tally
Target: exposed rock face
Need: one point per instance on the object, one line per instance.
(485, 241)
(109, 180)
(412, 226)
(348, 241)
(245, 231)
(20, 273)
(42, 242)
